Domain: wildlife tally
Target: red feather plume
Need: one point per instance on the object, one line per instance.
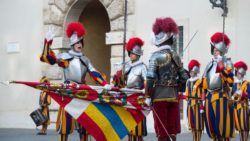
(165, 25)
(133, 42)
(241, 64)
(75, 27)
(193, 63)
(218, 37)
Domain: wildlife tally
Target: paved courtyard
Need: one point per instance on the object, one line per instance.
(30, 135)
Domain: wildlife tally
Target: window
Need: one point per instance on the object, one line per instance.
(178, 48)
(178, 45)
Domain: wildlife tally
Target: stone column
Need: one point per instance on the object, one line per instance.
(115, 36)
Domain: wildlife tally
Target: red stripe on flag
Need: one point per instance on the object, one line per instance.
(93, 94)
(137, 114)
(132, 99)
(91, 127)
(62, 101)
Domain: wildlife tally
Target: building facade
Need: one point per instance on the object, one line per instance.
(24, 24)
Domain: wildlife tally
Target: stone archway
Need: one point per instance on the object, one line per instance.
(57, 13)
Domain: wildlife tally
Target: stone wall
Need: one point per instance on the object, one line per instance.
(57, 13)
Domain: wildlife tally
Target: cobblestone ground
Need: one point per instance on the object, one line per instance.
(30, 135)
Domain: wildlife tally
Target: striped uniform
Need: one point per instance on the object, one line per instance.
(241, 111)
(194, 93)
(75, 66)
(44, 102)
(64, 122)
(219, 118)
(135, 74)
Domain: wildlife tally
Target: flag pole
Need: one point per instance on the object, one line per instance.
(124, 37)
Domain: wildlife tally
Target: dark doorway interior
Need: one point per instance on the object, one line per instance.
(96, 21)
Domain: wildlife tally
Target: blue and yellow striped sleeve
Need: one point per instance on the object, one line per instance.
(228, 76)
(48, 56)
(248, 90)
(96, 76)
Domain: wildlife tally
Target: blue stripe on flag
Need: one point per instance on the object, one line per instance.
(113, 118)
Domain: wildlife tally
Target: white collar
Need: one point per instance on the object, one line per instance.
(135, 63)
(163, 47)
(236, 80)
(73, 53)
(218, 58)
(193, 78)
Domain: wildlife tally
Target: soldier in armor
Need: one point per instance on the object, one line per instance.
(217, 80)
(135, 76)
(194, 95)
(164, 75)
(44, 102)
(240, 92)
(75, 66)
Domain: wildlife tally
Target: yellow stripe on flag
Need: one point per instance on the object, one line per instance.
(102, 122)
(126, 117)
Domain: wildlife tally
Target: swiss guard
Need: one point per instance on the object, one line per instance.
(75, 66)
(165, 73)
(44, 102)
(218, 77)
(194, 95)
(240, 92)
(135, 76)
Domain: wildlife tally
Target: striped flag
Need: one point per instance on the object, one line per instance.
(103, 121)
(106, 115)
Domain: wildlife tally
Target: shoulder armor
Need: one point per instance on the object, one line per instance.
(151, 74)
(85, 60)
(65, 56)
(205, 74)
(161, 58)
(176, 58)
(229, 63)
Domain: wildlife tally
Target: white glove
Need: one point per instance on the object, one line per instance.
(201, 111)
(108, 87)
(238, 92)
(49, 35)
(202, 107)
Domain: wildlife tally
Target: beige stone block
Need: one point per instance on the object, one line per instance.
(118, 24)
(62, 5)
(117, 37)
(115, 9)
(53, 72)
(56, 16)
(56, 30)
(116, 64)
(106, 3)
(46, 15)
(69, 2)
(51, 2)
(131, 7)
(116, 50)
(57, 43)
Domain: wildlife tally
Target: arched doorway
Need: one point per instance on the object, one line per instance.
(96, 21)
(104, 41)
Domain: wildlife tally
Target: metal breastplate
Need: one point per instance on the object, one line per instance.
(167, 71)
(214, 80)
(76, 71)
(135, 76)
